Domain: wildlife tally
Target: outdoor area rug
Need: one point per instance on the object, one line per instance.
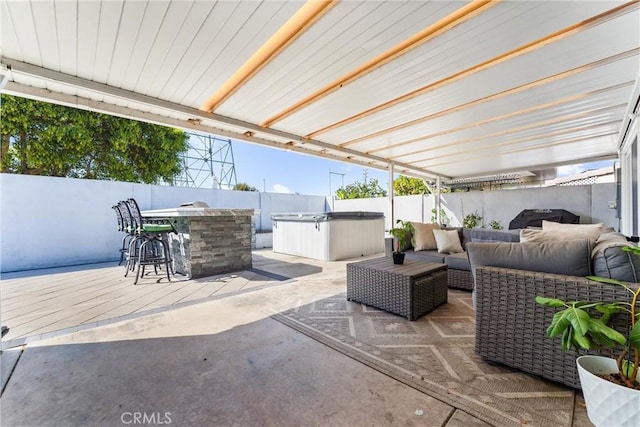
(435, 354)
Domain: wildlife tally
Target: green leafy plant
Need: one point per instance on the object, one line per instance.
(444, 219)
(243, 186)
(584, 325)
(471, 220)
(361, 190)
(402, 234)
(405, 186)
(39, 138)
(495, 225)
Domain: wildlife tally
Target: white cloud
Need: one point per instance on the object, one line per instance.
(279, 188)
(570, 170)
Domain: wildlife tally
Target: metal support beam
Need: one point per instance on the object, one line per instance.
(243, 128)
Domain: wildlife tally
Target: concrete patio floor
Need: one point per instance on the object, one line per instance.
(215, 361)
(40, 303)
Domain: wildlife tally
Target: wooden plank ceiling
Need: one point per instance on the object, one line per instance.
(452, 89)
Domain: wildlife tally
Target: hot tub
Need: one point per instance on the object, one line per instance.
(328, 236)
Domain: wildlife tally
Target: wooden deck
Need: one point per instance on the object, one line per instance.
(41, 303)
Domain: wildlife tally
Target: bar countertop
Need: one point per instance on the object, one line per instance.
(193, 211)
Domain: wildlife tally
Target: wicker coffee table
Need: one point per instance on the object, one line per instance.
(411, 289)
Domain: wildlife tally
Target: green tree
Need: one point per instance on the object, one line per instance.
(39, 138)
(243, 186)
(406, 186)
(361, 190)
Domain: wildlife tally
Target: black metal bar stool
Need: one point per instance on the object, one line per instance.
(150, 245)
(123, 226)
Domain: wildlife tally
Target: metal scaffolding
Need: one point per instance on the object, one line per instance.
(207, 163)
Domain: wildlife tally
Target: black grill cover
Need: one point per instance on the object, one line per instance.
(534, 217)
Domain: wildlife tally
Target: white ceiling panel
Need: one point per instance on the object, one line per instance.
(177, 31)
(541, 123)
(8, 34)
(473, 112)
(17, 18)
(141, 41)
(248, 28)
(473, 96)
(111, 15)
(516, 140)
(67, 35)
(352, 34)
(463, 47)
(45, 27)
(129, 29)
(477, 165)
(196, 41)
(532, 107)
(87, 22)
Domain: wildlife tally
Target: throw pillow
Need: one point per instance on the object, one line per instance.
(423, 239)
(590, 231)
(448, 241)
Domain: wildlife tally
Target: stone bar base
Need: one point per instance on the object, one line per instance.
(209, 241)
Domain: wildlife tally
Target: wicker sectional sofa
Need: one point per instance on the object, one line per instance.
(458, 264)
(510, 326)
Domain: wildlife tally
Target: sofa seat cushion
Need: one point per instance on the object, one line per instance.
(570, 257)
(459, 261)
(610, 261)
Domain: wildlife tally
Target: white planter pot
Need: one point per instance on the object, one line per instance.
(608, 404)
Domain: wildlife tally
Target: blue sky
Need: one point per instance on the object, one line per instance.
(291, 172)
(279, 171)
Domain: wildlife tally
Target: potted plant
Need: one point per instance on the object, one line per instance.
(583, 326)
(402, 236)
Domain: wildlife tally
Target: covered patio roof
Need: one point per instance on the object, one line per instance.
(450, 89)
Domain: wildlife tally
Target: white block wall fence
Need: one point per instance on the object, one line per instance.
(590, 202)
(49, 222)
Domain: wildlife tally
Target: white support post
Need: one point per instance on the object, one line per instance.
(391, 194)
(438, 201)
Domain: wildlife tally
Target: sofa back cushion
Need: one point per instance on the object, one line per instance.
(485, 235)
(590, 231)
(570, 257)
(532, 235)
(609, 260)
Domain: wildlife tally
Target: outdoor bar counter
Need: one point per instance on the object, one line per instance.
(209, 241)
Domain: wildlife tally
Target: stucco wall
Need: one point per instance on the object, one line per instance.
(590, 202)
(48, 222)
